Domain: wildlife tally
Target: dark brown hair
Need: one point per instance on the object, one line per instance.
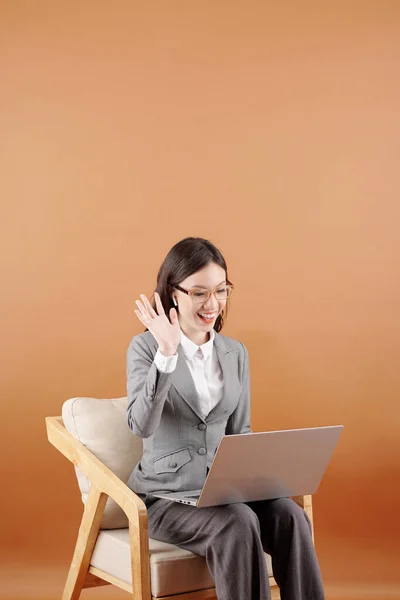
(185, 258)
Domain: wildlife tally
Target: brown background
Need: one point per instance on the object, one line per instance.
(274, 132)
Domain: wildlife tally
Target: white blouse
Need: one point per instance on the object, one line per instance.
(204, 366)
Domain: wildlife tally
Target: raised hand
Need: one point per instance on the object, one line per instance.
(167, 333)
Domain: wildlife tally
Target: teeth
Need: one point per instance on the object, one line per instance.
(207, 316)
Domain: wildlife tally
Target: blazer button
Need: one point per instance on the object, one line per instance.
(173, 465)
(202, 426)
(202, 451)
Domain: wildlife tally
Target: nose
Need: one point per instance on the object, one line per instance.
(212, 303)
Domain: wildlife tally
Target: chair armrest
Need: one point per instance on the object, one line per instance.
(104, 483)
(98, 474)
(303, 501)
(306, 504)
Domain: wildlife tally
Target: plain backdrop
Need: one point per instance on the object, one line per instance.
(271, 129)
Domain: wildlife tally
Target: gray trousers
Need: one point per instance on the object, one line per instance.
(233, 538)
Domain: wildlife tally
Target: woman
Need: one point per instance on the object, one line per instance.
(188, 385)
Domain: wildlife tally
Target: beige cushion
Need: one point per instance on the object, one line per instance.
(101, 426)
(173, 570)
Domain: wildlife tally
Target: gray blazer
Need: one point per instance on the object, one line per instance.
(164, 409)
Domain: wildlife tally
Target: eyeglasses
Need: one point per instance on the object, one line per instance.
(202, 296)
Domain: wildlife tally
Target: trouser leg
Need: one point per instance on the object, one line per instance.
(227, 536)
(286, 535)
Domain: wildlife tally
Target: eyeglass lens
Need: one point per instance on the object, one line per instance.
(220, 294)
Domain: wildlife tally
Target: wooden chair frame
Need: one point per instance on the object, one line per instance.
(103, 484)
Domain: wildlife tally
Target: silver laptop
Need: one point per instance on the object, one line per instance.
(263, 466)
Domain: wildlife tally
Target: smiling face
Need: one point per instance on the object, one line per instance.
(196, 327)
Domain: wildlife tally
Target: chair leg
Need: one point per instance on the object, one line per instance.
(88, 531)
(275, 595)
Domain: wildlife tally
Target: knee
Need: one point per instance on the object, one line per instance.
(290, 515)
(243, 516)
(235, 539)
(240, 520)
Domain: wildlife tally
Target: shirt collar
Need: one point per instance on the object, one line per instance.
(190, 348)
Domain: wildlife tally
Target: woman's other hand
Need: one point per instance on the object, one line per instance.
(167, 333)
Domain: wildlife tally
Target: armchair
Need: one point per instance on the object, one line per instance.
(113, 546)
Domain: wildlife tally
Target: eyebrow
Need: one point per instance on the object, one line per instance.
(204, 287)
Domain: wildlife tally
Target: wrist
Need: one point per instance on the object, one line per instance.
(167, 351)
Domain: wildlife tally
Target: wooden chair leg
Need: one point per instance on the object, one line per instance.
(275, 595)
(88, 531)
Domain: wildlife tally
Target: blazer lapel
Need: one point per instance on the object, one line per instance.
(228, 361)
(182, 381)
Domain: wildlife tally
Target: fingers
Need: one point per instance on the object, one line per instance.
(140, 316)
(141, 308)
(146, 312)
(148, 306)
(160, 308)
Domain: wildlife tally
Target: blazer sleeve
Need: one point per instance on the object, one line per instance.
(239, 420)
(147, 389)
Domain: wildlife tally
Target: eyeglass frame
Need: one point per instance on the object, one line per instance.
(191, 292)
